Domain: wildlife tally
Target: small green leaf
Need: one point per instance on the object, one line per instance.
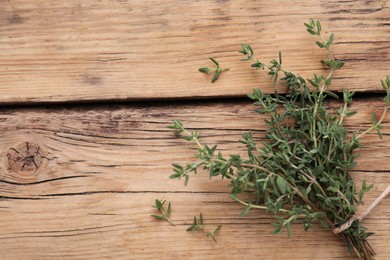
(191, 228)
(387, 99)
(215, 62)
(158, 204)
(333, 95)
(327, 63)
(216, 75)
(330, 41)
(349, 114)
(217, 230)
(320, 44)
(188, 138)
(318, 27)
(205, 70)
(333, 189)
(379, 134)
(384, 86)
(282, 184)
(280, 58)
(373, 118)
(169, 209)
(245, 211)
(339, 64)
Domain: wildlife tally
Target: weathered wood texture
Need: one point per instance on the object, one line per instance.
(100, 169)
(55, 51)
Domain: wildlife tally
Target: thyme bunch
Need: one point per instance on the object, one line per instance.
(301, 173)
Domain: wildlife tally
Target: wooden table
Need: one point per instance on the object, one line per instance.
(88, 88)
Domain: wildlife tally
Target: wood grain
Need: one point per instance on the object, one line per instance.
(101, 167)
(58, 51)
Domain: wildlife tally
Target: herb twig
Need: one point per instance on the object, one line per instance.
(159, 205)
(198, 225)
(217, 71)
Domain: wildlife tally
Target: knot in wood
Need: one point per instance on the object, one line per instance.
(25, 159)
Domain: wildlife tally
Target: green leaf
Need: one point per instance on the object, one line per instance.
(157, 216)
(217, 230)
(327, 63)
(234, 197)
(187, 138)
(177, 166)
(215, 62)
(288, 230)
(216, 75)
(169, 209)
(333, 95)
(384, 86)
(191, 228)
(282, 184)
(245, 211)
(320, 44)
(330, 41)
(318, 27)
(333, 189)
(205, 70)
(280, 58)
(313, 83)
(158, 204)
(373, 118)
(360, 196)
(379, 134)
(349, 114)
(339, 64)
(175, 175)
(387, 99)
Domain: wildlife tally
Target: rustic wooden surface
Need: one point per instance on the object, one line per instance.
(56, 51)
(101, 167)
(91, 172)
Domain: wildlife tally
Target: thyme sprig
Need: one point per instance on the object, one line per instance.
(198, 225)
(217, 71)
(159, 205)
(301, 173)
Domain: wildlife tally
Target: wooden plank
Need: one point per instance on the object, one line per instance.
(57, 51)
(100, 169)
